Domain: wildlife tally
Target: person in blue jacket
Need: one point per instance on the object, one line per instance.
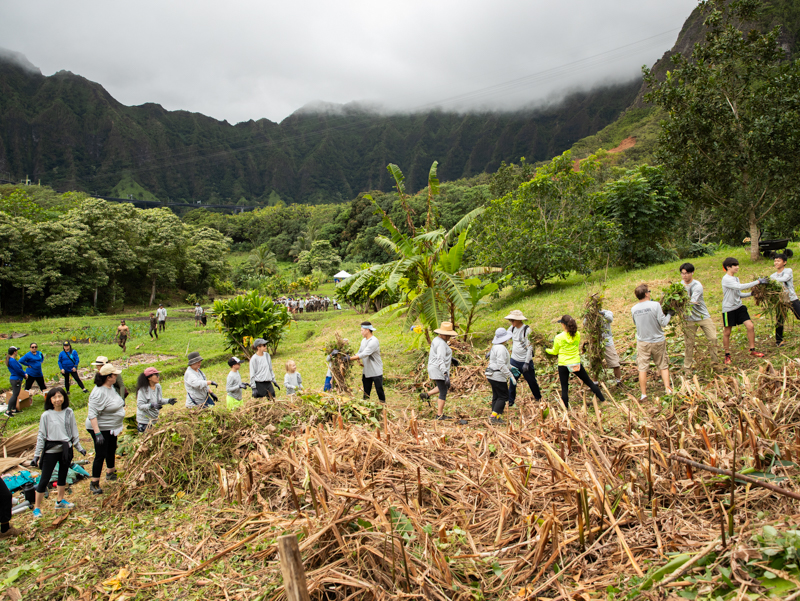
(17, 375)
(68, 364)
(33, 361)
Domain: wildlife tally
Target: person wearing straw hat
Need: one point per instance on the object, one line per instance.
(105, 414)
(440, 359)
(522, 355)
(196, 384)
(261, 373)
(369, 354)
(498, 373)
(119, 385)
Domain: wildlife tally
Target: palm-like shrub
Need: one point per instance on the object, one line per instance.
(249, 316)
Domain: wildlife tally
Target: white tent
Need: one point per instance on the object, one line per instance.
(342, 275)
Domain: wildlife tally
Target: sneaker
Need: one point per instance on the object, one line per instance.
(94, 488)
(668, 391)
(37, 513)
(11, 532)
(111, 476)
(512, 403)
(9, 413)
(756, 354)
(643, 398)
(780, 344)
(728, 360)
(64, 504)
(85, 390)
(443, 417)
(424, 395)
(619, 382)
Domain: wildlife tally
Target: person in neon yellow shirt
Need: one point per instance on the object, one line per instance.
(567, 345)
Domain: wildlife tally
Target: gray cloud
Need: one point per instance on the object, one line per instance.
(244, 60)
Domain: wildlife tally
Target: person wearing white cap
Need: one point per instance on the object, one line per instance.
(261, 373)
(119, 385)
(522, 355)
(440, 359)
(104, 423)
(498, 373)
(369, 354)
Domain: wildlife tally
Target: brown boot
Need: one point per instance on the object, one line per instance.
(10, 533)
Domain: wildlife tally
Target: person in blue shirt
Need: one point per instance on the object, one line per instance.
(33, 361)
(68, 364)
(17, 375)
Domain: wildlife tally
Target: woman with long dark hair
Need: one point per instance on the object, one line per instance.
(567, 345)
(104, 423)
(17, 376)
(149, 398)
(68, 362)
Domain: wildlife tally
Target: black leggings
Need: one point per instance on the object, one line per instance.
(153, 330)
(368, 382)
(499, 396)
(162, 326)
(16, 386)
(443, 388)
(74, 375)
(104, 453)
(795, 305)
(30, 380)
(48, 465)
(5, 504)
(563, 376)
(530, 378)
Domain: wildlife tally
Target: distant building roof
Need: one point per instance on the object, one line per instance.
(342, 274)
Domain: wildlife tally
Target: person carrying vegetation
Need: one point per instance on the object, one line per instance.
(522, 355)
(567, 346)
(149, 398)
(234, 384)
(104, 423)
(369, 355)
(783, 275)
(6, 529)
(261, 371)
(734, 313)
(610, 355)
(161, 318)
(498, 373)
(123, 331)
(651, 343)
(440, 358)
(33, 360)
(292, 379)
(328, 386)
(153, 326)
(119, 385)
(58, 434)
(198, 396)
(68, 362)
(698, 317)
(17, 374)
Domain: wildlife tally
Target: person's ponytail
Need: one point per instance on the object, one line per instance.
(571, 324)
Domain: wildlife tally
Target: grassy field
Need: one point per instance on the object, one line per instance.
(115, 540)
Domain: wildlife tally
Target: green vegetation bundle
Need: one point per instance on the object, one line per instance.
(341, 368)
(675, 298)
(323, 407)
(592, 336)
(249, 316)
(773, 300)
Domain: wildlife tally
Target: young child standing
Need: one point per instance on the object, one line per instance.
(234, 384)
(734, 313)
(292, 380)
(785, 276)
(58, 434)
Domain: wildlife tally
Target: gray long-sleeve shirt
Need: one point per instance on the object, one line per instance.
(732, 292)
(649, 318)
(697, 310)
(107, 407)
(786, 277)
(370, 354)
(439, 359)
(521, 347)
(261, 368)
(233, 384)
(144, 412)
(499, 368)
(194, 381)
(608, 337)
(57, 426)
(293, 382)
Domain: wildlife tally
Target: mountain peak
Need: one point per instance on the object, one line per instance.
(18, 59)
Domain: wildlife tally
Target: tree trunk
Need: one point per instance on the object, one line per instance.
(153, 292)
(754, 237)
(95, 297)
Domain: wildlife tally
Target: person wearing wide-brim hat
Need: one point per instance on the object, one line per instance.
(262, 376)
(522, 355)
(119, 385)
(440, 359)
(498, 373)
(369, 354)
(196, 383)
(104, 421)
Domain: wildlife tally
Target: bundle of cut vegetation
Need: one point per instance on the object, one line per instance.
(340, 367)
(553, 506)
(773, 298)
(675, 298)
(592, 334)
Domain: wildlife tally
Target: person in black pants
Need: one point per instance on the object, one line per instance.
(33, 360)
(104, 422)
(68, 362)
(567, 345)
(17, 375)
(6, 530)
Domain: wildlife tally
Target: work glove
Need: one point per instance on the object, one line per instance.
(82, 451)
(172, 401)
(99, 440)
(334, 352)
(245, 385)
(763, 280)
(455, 362)
(513, 381)
(447, 380)
(155, 406)
(35, 462)
(671, 313)
(214, 384)
(276, 385)
(526, 367)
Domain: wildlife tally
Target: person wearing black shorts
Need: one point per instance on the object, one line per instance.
(734, 313)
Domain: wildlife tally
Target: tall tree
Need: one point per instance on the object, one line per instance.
(732, 130)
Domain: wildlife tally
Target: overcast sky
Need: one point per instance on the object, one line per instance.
(240, 60)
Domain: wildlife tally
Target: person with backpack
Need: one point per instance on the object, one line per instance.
(567, 345)
(68, 362)
(58, 434)
(33, 360)
(17, 375)
(522, 355)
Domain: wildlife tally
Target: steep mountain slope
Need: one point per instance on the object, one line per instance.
(69, 132)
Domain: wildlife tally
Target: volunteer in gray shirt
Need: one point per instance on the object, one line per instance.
(734, 313)
(784, 276)
(369, 354)
(149, 398)
(104, 422)
(697, 316)
(198, 395)
(58, 434)
(261, 374)
(498, 373)
(440, 359)
(651, 343)
(521, 355)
